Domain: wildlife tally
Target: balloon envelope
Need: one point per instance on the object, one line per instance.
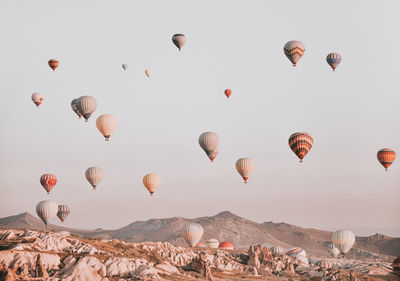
(209, 142)
(46, 210)
(63, 212)
(75, 107)
(294, 50)
(125, 66)
(179, 40)
(94, 175)
(245, 166)
(301, 144)
(343, 240)
(53, 63)
(277, 250)
(147, 72)
(106, 124)
(192, 233)
(86, 106)
(386, 157)
(228, 93)
(48, 181)
(334, 59)
(226, 245)
(212, 243)
(37, 98)
(151, 182)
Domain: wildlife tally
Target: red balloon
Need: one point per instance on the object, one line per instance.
(48, 181)
(228, 93)
(226, 245)
(53, 63)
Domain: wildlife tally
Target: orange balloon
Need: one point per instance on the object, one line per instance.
(386, 157)
(228, 93)
(53, 63)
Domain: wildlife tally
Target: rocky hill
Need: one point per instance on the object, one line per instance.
(224, 226)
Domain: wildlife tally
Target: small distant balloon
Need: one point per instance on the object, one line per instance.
(228, 93)
(94, 175)
(294, 50)
(179, 40)
(209, 143)
(75, 107)
(386, 157)
(63, 212)
(106, 124)
(301, 143)
(334, 59)
(343, 240)
(48, 181)
(245, 166)
(53, 63)
(37, 98)
(46, 210)
(86, 106)
(147, 72)
(125, 66)
(151, 182)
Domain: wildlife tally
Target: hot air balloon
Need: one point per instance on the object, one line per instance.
(226, 245)
(212, 243)
(179, 40)
(333, 59)
(323, 264)
(106, 124)
(151, 182)
(245, 166)
(94, 175)
(37, 98)
(86, 106)
(192, 233)
(147, 72)
(125, 66)
(209, 142)
(333, 250)
(201, 245)
(301, 143)
(53, 63)
(75, 108)
(63, 212)
(292, 252)
(386, 157)
(343, 240)
(228, 93)
(48, 181)
(277, 250)
(294, 50)
(46, 210)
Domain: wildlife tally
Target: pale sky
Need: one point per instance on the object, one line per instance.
(351, 113)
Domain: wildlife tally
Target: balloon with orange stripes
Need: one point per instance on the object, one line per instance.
(386, 157)
(53, 63)
(301, 143)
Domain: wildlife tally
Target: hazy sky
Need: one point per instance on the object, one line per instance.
(351, 113)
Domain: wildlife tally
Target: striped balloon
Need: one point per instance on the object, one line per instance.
(37, 98)
(86, 106)
(277, 250)
(53, 63)
(294, 50)
(386, 157)
(323, 264)
(48, 181)
(295, 252)
(192, 233)
(301, 144)
(151, 182)
(75, 107)
(106, 124)
(46, 210)
(201, 245)
(245, 166)
(343, 240)
(63, 212)
(226, 245)
(94, 175)
(212, 243)
(179, 40)
(209, 142)
(333, 59)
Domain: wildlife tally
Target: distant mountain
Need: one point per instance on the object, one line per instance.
(224, 226)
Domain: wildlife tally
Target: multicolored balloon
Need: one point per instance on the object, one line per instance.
(63, 212)
(106, 124)
(151, 182)
(94, 175)
(46, 210)
(75, 107)
(301, 144)
(292, 252)
(245, 166)
(209, 142)
(323, 264)
(343, 240)
(48, 181)
(334, 59)
(53, 63)
(86, 105)
(192, 233)
(179, 40)
(37, 98)
(228, 93)
(386, 157)
(294, 50)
